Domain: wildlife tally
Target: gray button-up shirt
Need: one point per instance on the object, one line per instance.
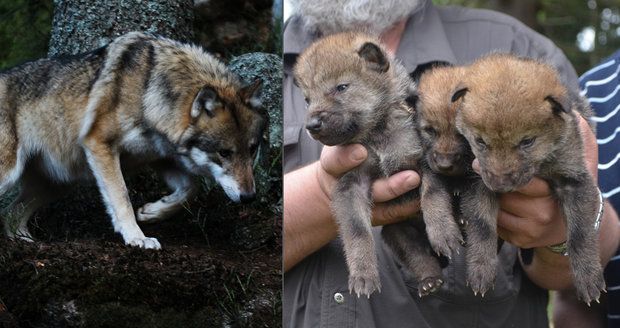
(316, 290)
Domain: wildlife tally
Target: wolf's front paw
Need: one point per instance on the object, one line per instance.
(364, 285)
(447, 240)
(481, 276)
(146, 243)
(429, 285)
(589, 284)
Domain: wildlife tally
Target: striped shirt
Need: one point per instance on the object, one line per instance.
(601, 85)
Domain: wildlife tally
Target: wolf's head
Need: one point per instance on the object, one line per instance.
(347, 79)
(447, 151)
(223, 137)
(515, 114)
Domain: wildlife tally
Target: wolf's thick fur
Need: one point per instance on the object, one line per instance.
(357, 94)
(139, 100)
(522, 122)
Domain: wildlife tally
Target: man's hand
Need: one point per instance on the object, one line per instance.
(336, 161)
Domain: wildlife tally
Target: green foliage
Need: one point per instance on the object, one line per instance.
(24, 30)
(562, 21)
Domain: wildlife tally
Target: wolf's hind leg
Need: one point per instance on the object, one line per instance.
(35, 191)
(183, 188)
(411, 247)
(351, 205)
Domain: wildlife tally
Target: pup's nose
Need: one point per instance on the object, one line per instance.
(444, 161)
(314, 124)
(247, 197)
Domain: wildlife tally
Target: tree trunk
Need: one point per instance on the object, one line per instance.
(84, 25)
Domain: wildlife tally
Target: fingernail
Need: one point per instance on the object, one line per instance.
(412, 181)
(358, 154)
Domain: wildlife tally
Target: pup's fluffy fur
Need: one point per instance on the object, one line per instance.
(522, 122)
(356, 93)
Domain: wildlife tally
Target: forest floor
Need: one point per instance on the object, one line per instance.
(220, 266)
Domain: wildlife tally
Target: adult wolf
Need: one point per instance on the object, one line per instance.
(140, 100)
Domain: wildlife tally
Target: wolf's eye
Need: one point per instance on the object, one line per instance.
(225, 153)
(481, 143)
(526, 143)
(430, 130)
(342, 87)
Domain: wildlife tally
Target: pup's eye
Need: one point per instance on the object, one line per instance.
(225, 153)
(430, 130)
(307, 102)
(342, 87)
(527, 143)
(481, 143)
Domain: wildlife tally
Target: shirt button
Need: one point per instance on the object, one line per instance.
(339, 298)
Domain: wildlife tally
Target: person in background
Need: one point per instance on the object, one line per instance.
(601, 85)
(315, 294)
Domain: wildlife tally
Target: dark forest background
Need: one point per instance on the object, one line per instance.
(569, 23)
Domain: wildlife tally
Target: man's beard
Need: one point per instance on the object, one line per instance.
(371, 16)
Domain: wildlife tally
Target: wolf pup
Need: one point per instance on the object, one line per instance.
(357, 94)
(139, 100)
(522, 122)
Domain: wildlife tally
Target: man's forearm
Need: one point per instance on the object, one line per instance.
(552, 271)
(308, 223)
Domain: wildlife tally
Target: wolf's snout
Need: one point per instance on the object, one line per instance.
(445, 161)
(247, 197)
(315, 123)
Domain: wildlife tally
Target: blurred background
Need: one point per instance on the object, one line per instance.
(586, 30)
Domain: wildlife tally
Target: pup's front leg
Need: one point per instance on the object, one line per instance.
(580, 203)
(436, 204)
(351, 205)
(183, 187)
(480, 208)
(105, 165)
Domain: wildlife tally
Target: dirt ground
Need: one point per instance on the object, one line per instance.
(220, 266)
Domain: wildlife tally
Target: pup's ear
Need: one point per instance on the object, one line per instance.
(375, 57)
(251, 94)
(459, 93)
(558, 104)
(412, 100)
(206, 99)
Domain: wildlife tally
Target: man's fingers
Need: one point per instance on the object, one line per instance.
(518, 204)
(394, 186)
(385, 214)
(338, 160)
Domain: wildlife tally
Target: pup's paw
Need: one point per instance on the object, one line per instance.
(481, 277)
(364, 285)
(429, 285)
(151, 212)
(146, 243)
(447, 241)
(589, 285)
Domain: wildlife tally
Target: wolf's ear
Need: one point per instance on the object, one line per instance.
(374, 56)
(459, 93)
(206, 99)
(251, 94)
(558, 104)
(412, 100)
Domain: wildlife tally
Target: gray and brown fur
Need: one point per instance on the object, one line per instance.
(357, 94)
(139, 100)
(521, 122)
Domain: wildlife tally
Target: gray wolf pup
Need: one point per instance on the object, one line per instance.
(357, 94)
(522, 122)
(139, 100)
